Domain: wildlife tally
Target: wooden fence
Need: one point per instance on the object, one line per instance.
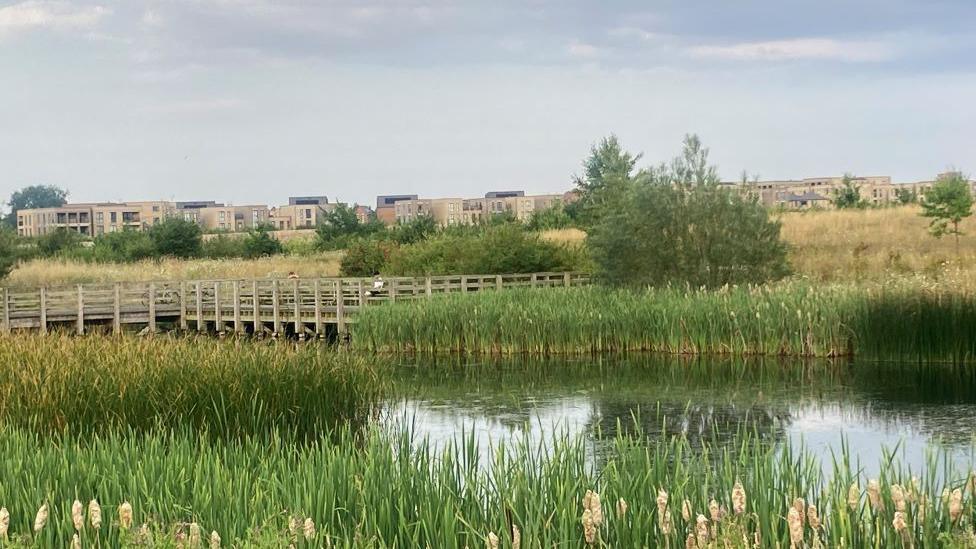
(298, 307)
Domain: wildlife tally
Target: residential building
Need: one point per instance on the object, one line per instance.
(385, 206)
(39, 222)
(302, 212)
(233, 218)
(94, 219)
(460, 211)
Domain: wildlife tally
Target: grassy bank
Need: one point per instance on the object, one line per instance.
(97, 384)
(54, 272)
(789, 319)
(392, 493)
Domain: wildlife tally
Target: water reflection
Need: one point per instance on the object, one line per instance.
(817, 404)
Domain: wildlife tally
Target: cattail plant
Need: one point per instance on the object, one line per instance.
(78, 515)
(491, 542)
(516, 537)
(795, 522)
(214, 540)
(195, 537)
(125, 515)
(621, 508)
(4, 522)
(40, 519)
(94, 514)
(738, 498)
(308, 528)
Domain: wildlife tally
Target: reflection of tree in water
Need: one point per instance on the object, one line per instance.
(717, 424)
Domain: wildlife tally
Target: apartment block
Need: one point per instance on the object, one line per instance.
(461, 211)
(386, 206)
(233, 218)
(93, 219)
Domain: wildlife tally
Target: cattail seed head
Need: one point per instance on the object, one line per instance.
(713, 511)
(690, 542)
(597, 510)
(898, 497)
(874, 495)
(664, 521)
(125, 515)
(853, 496)
(308, 528)
(795, 521)
(214, 540)
(813, 517)
(75, 542)
(195, 537)
(899, 522)
(621, 508)
(955, 504)
(686, 510)
(971, 484)
(78, 515)
(701, 530)
(738, 499)
(4, 522)
(589, 527)
(94, 514)
(41, 518)
(662, 501)
(800, 505)
(516, 537)
(293, 526)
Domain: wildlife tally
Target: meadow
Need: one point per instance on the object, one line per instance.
(791, 319)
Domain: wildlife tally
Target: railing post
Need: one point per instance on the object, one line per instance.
(184, 325)
(238, 326)
(43, 323)
(298, 311)
(276, 308)
(152, 307)
(394, 287)
(218, 317)
(318, 306)
(340, 307)
(117, 316)
(534, 280)
(498, 282)
(428, 287)
(256, 308)
(201, 325)
(362, 293)
(80, 326)
(567, 281)
(464, 284)
(6, 311)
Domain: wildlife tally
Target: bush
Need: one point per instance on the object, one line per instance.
(260, 243)
(177, 238)
(341, 226)
(223, 246)
(675, 224)
(555, 217)
(8, 252)
(507, 248)
(418, 229)
(58, 243)
(366, 257)
(123, 246)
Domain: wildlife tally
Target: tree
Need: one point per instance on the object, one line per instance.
(947, 203)
(554, 217)
(676, 225)
(260, 243)
(59, 242)
(35, 196)
(8, 251)
(342, 224)
(849, 195)
(123, 246)
(906, 196)
(177, 237)
(607, 171)
(420, 228)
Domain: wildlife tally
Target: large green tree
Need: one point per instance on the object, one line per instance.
(34, 196)
(675, 224)
(606, 174)
(177, 237)
(947, 203)
(341, 225)
(849, 194)
(8, 251)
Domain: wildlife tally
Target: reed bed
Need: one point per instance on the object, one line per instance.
(793, 319)
(389, 490)
(91, 385)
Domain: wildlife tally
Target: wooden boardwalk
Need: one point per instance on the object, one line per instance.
(296, 307)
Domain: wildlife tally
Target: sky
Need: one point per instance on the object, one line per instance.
(252, 101)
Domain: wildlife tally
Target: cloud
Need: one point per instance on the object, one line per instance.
(199, 106)
(583, 50)
(36, 14)
(799, 49)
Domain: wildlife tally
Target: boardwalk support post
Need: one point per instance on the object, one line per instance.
(238, 326)
(152, 308)
(200, 324)
(43, 322)
(6, 310)
(184, 325)
(80, 326)
(117, 316)
(276, 306)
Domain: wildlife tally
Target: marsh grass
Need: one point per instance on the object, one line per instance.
(793, 319)
(390, 490)
(93, 385)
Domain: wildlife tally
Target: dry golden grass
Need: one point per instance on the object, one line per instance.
(55, 272)
(564, 236)
(875, 244)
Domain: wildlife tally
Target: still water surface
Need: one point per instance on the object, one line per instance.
(904, 408)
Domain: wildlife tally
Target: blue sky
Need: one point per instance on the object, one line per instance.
(252, 100)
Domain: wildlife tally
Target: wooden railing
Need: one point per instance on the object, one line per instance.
(297, 306)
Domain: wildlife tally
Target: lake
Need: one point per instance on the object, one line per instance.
(873, 408)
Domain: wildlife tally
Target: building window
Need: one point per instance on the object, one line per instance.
(113, 217)
(155, 208)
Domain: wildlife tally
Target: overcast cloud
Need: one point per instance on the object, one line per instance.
(254, 100)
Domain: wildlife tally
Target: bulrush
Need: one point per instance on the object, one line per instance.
(41, 518)
(308, 528)
(898, 497)
(714, 511)
(813, 518)
(214, 540)
(686, 510)
(293, 526)
(955, 505)
(853, 496)
(94, 514)
(874, 495)
(800, 505)
(621, 508)
(589, 528)
(516, 537)
(125, 515)
(690, 542)
(701, 530)
(75, 542)
(596, 508)
(195, 535)
(795, 521)
(78, 515)
(4, 522)
(899, 522)
(662, 501)
(491, 542)
(738, 498)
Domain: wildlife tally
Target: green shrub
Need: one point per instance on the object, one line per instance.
(123, 246)
(366, 257)
(177, 238)
(341, 226)
(223, 246)
(59, 242)
(8, 252)
(260, 243)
